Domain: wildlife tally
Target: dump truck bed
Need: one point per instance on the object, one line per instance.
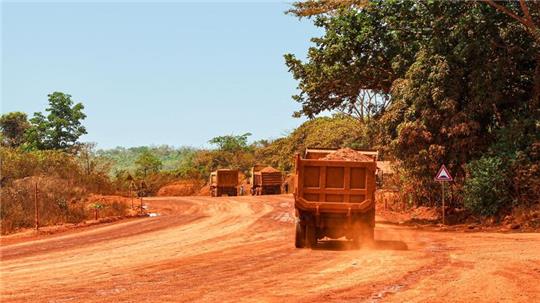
(227, 177)
(334, 198)
(224, 181)
(334, 186)
(267, 180)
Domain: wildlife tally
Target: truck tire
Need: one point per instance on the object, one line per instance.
(300, 236)
(311, 235)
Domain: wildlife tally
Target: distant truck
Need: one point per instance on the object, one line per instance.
(224, 181)
(334, 198)
(265, 180)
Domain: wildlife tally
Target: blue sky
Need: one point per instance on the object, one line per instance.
(174, 73)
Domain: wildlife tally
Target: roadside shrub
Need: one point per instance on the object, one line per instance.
(118, 208)
(107, 206)
(18, 164)
(486, 191)
(526, 171)
(58, 202)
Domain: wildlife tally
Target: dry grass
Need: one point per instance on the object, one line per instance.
(59, 201)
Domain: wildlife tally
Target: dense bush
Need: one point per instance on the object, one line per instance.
(526, 170)
(63, 179)
(59, 201)
(17, 164)
(487, 189)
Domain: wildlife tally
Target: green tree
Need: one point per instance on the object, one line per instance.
(231, 143)
(525, 14)
(232, 152)
(352, 67)
(61, 128)
(187, 166)
(148, 163)
(13, 126)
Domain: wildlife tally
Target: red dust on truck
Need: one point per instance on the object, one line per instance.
(224, 181)
(335, 197)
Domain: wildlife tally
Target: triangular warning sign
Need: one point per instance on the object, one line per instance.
(443, 174)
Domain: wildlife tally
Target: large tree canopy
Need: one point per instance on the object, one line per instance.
(363, 50)
(231, 143)
(454, 77)
(369, 46)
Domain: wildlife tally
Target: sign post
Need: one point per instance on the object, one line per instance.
(443, 176)
(131, 189)
(443, 206)
(36, 206)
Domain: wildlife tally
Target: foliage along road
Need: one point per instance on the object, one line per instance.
(241, 249)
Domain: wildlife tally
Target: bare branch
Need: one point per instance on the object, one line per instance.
(525, 10)
(528, 22)
(506, 11)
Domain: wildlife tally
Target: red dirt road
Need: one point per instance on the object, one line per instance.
(241, 249)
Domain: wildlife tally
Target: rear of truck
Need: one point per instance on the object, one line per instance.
(266, 181)
(224, 182)
(271, 182)
(334, 199)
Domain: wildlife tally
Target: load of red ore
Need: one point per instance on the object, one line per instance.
(269, 169)
(348, 154)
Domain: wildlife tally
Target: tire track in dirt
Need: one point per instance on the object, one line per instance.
(436, 251)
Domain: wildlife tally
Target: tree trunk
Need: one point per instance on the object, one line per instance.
(535, 104)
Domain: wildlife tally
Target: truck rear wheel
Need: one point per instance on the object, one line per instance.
(300, 236)
(311, 235)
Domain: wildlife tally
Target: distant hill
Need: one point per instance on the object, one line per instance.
(124, 158)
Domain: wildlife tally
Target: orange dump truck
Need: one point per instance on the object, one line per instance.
(224, 181)
(334, 197)
(265, 180)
